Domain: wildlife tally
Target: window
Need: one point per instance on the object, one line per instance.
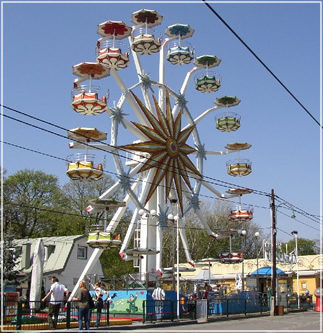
(82, 252)
(49, 249)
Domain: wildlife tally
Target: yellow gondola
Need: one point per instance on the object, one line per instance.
(239, 168)
(102, 239)
(84, 170)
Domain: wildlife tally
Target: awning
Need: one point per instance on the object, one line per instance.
(267, 271)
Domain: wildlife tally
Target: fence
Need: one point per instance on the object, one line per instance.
(167, 310)
(244, 303)
(24, 315)
(292, 302)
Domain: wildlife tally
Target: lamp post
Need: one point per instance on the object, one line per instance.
(147, 216)
(176, 218)
(142, 213)
(257, 234)
(243, 233)
(295, 234)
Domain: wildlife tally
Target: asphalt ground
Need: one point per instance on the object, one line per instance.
(308, 321)
(304, 321)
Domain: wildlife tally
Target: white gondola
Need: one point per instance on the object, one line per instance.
(98, 236)
(179, 54)
(208, 83)
(86, 101)
(146, 44)
(231, 257)
(113, 57)
(241, 215)
(108, 48)
(227, 121)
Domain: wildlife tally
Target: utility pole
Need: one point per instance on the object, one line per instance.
(273, 235)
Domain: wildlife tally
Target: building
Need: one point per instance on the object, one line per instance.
(309, 273)
(65, 257)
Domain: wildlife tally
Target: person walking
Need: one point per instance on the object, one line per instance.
(98, 300)
(56, 294)
(83, 297)
(158, 296)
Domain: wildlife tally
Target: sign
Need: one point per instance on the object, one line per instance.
(251, 282)
(11, 304)
(286, 258)
(238, 284)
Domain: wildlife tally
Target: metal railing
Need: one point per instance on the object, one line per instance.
(24, 315)
(167, 310)
(239, 304)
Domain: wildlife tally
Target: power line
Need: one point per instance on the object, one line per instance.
(263, 64)
(202, 195)
(115, 174)
(213, 182)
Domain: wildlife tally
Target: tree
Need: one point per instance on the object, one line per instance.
(28, 197)
(77, 196)
(304, 246)
(10, 259)
(201, 245)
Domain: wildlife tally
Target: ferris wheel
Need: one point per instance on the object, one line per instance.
(163, 174)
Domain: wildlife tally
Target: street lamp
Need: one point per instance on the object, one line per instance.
(257, 234)
(145, 215)
(173, 218)
(295, 234)
(243, 234)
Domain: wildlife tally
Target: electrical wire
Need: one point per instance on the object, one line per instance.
(132, 178)
(261, 62)
(213, 180)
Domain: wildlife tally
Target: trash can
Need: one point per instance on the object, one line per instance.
(280, 310)
(201, 310)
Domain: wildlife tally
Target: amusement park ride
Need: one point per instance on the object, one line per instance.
(157, 180)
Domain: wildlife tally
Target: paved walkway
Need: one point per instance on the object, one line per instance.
(305, 321)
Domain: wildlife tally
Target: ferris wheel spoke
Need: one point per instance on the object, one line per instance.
(163, 167)
(129, 233)
(182, 234)
(121, 210)
(128, 96)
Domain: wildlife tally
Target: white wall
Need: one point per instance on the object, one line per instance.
(75, 266)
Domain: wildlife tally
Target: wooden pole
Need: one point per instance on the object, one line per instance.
(274, 231)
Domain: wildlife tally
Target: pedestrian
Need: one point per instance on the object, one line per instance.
(99, 289)
(56, 294)
(83, 297)
(158, 296)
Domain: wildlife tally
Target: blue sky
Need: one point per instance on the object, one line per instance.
(42, 41)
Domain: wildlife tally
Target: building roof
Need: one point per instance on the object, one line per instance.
(57, 258)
